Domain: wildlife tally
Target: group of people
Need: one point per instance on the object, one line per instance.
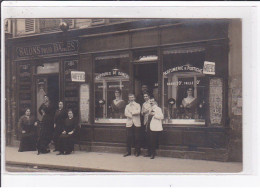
(143, 124)
(58, 126)
(143, 116)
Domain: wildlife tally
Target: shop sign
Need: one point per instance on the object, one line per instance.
(78, 76)
(110, 74)
(116, 86)
(209, 68)
(47, 49)
(183, 68)
(183, 83)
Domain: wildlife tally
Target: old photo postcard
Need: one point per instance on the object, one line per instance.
(121, 93)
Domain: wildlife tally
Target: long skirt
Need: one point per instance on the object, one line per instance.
(44, 138)
(28, 142)
(56, 134)
(66, 143)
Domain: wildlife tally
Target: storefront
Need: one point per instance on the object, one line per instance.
(44, 69)
(175, 59)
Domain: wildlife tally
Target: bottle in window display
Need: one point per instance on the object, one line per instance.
(189, 104)
(118, 105)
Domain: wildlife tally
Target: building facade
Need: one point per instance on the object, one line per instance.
(86, 64)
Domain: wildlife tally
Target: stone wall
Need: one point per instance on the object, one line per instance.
(235, 90)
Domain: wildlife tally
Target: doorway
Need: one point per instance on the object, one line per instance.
(146, 73)
(47, 85)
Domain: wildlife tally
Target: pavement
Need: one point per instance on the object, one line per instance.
(82, 161)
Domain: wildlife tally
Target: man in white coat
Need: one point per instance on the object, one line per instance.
(133, 125)
(154, 126)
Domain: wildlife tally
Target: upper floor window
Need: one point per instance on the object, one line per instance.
(32, 25)
(47, 25)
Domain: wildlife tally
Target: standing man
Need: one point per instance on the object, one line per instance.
(154, 126)
(140, 100)
(146, 109)
(140, 97)
(133, 125)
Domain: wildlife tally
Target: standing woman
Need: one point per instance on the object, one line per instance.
(48, 110)
(67, 138)
(27, 126)
(44, 134)
(59, 119)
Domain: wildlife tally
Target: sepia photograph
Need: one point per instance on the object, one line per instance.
(131, 95)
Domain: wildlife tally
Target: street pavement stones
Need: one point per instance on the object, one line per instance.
(81, 161)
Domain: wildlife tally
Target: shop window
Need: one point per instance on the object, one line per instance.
(184, 86)
(111, 88)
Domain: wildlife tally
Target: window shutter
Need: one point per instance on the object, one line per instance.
(29, 25)
(8, 28)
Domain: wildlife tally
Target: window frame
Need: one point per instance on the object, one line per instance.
(193, 75)
(105, 56)
(176, 50)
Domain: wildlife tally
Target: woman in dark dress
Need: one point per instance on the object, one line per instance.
(67, 138)
(44, 137)
(59, 119)
(47, 123)
(27, 125)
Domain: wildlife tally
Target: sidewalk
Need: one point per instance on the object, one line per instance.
(108, 162)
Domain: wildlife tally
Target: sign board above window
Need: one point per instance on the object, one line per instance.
(47, 49)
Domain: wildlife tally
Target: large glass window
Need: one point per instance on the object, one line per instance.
(184, 86)
(111, 88)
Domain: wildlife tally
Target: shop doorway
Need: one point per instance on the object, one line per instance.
(47, 85)
(146, 74)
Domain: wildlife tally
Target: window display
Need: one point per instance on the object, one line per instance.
(184, 86)
(111, 88)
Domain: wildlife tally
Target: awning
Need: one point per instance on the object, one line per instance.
(112, 57)
(184, 50)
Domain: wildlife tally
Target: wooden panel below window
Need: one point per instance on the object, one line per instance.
(110, 134)
(194, 138)
(216, 139)
(170, 137)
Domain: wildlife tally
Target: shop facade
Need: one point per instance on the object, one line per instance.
(171, 57)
